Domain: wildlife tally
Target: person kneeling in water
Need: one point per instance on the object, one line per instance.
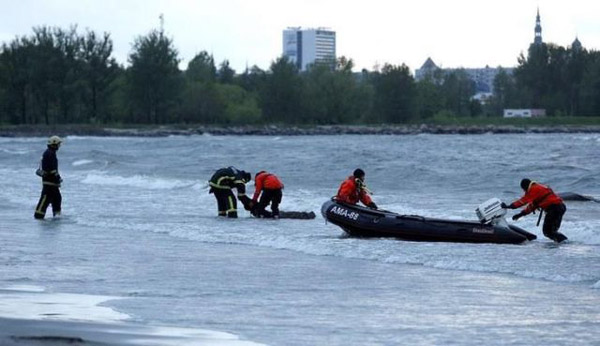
(354, 189)
(538, 196)
(269, 188)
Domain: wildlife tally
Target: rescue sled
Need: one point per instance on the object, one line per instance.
(360, 221)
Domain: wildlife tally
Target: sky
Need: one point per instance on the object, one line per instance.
(457, 33)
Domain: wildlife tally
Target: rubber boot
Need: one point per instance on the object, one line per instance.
(232, 214)
(559, 237)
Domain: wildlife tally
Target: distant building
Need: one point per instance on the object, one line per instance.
(309, 46)
(482, 77)
(524, 113)
(428, 69)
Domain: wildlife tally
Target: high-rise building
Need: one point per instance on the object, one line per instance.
(309, 46)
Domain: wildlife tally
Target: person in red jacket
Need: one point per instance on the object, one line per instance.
(354, 189)
(269, 188)
(538, 196)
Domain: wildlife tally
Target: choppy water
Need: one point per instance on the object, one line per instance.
(140, 224)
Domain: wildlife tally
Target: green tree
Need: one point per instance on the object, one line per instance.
(457, 90)
(589, 104)
(575, 73)
(252, 80)
(532, 75)
(225, 73)
(241, 107)
(98, 72)
(202, 103)
(331, 95)
(505, 94)
(281, 96)
(429, 99)
(395, 92)
(16, 80)
(202, 68)
(154, 77)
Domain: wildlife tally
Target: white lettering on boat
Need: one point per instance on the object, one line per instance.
(352, 215)
(483, 230)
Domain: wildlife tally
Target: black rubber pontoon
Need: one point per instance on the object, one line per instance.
(364, 222)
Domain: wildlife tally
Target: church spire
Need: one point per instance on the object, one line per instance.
(538, 29)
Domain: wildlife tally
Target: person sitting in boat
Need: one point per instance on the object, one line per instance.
(354, 189)
(269, 188)
(538, 196)
(221, 184)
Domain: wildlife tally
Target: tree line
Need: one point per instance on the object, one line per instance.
(60, 76)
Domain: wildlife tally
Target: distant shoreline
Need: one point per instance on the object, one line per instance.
(285, 130)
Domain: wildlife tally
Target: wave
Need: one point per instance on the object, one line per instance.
(137, 181)
(81, 162)
(23, 140)
(539, 260)
(102, 138)
(15, 151)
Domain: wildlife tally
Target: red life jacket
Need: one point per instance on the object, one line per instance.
(267, 181)
(537, 196)
(350, 193)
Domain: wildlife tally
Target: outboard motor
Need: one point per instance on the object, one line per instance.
(491, 212)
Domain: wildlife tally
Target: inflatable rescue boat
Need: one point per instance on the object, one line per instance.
(360, 221)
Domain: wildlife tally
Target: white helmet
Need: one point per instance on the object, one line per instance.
(54, 140)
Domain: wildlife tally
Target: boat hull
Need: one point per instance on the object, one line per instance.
(359, 221)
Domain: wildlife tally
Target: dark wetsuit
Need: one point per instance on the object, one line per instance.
(50, 185)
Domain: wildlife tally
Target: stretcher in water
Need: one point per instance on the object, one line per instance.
(359, 221)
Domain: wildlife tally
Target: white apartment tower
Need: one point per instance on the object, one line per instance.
(308, 46)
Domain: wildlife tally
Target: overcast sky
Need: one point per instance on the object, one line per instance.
(457, 33)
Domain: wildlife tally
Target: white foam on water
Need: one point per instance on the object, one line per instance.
(138, 181)
(23, 288)
(587, 232)
(23, 139)
(28, 313)
(15, 151)
(81, 162)
(102, 138)
(32, 302)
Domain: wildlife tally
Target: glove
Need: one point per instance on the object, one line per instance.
(372, 205)
(245, 201)
(249, 206)
(503, 205)
(517, 216)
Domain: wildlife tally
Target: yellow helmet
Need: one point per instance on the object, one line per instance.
(54, 140)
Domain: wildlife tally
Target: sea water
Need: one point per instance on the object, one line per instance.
(140, 228)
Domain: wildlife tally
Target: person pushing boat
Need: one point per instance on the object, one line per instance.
(538, 196)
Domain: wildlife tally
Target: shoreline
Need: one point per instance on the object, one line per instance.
(284, 130)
